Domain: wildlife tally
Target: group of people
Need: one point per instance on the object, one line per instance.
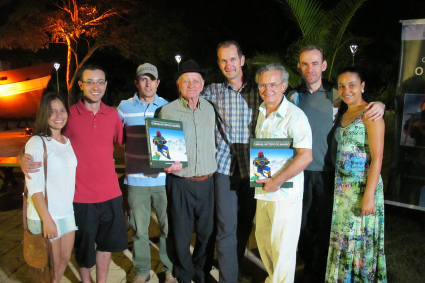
(333, 212)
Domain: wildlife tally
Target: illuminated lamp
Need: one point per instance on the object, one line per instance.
(353, 49)
(178, 59)
(57, 65)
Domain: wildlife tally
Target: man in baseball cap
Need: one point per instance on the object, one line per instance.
(146, 186)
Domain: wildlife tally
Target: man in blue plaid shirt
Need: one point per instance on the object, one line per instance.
(237, 101)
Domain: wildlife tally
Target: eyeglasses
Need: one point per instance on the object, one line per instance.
(92, 83)
(273, 86)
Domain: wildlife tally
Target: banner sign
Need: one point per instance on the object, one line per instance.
(406, 184)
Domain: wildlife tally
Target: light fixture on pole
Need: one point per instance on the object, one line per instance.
(57, 65)
(178, 59)
(353, 49)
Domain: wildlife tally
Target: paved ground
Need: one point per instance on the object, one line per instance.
(12, 265)
(14, 269)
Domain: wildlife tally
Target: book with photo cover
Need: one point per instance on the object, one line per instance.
(268, 157)
(166, 142)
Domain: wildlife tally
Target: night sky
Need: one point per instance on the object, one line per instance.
(259, 26)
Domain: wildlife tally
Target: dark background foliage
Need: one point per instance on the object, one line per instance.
(192, 28)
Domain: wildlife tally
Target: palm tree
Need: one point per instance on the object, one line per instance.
(324, 28)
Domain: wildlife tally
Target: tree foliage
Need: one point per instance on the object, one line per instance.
(84, 26)
(324, 28)
(260, 59)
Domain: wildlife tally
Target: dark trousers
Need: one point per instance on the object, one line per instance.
(190, 203)
(316, 222)
(235, 208)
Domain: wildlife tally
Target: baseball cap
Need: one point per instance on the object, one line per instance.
(147, 69)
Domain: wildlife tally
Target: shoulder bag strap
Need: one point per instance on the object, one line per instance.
(219, 122)
(45, 171)
(25, 194)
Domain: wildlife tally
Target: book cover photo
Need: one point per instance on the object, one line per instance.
(268, 157)
(166, 142)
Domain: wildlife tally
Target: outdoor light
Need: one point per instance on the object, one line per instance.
(178, 59)
(353, 49)
(57, 65)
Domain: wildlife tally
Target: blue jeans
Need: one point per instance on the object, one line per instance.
(235, 206)
(140, 199)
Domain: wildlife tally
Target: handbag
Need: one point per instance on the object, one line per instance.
(38, 252)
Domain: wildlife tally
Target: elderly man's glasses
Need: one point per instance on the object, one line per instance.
(92, 83)
(272, 86)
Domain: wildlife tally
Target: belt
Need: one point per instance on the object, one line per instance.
(199, 179)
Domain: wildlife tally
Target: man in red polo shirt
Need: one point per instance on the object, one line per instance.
(93, 128)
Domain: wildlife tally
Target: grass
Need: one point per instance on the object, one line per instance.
(404, 228)
(405, 244)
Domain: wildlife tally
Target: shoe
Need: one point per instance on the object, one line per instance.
(243, 278)
(141, 279)
(169, 278)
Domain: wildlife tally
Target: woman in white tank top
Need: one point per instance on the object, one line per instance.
(56, 220)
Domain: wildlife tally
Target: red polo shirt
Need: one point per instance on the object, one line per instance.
(92, 138)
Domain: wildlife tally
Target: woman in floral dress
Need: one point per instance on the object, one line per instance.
(356, 249)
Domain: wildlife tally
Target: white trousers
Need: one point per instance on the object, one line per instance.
(277, 231)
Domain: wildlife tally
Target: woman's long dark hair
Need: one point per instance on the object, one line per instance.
(44, 112)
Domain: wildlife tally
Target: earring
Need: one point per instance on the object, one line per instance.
(362, 90)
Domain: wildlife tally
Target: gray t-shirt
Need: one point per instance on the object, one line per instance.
(320, 111)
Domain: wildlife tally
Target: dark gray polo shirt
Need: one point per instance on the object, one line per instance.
(320, 111)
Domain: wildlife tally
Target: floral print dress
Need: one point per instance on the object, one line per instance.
(356, 248)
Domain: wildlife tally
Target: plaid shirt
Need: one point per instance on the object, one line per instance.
(238, 111)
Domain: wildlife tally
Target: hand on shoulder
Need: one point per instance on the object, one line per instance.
(376, 111)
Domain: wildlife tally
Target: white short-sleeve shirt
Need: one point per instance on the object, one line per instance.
(288, 121)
